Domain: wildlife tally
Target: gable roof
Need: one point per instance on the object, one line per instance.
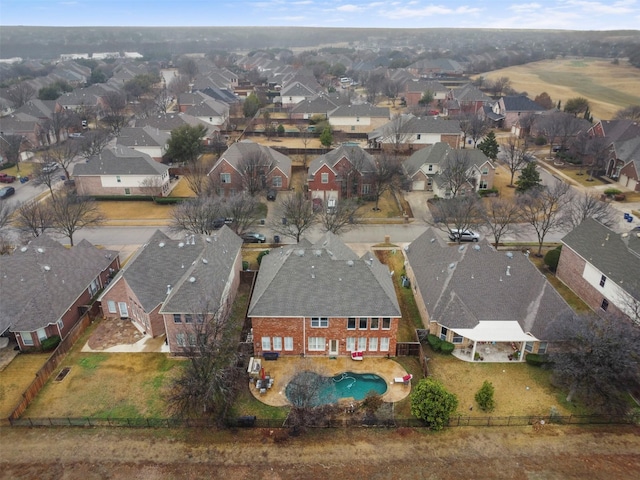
(170, 121)
(521, 103)
(142, 137)
(120, 161)
(615, 255)
(470, 93)
(42, 280)
(620, 130)
(239, 150)
(464, 285)
(628, 151)
(318, 104)
(408, 124)
(327, 279)
(361, 110)
(356, 155)
(433, 154)
(164, 262)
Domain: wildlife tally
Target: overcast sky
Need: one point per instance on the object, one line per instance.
(547, 14)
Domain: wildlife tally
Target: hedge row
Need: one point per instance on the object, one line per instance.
(537, 359)
(440, 345)
(139, 198)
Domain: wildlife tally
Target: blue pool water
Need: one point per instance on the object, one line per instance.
(309, 388)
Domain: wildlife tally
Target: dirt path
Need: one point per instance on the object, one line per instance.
(496, 453)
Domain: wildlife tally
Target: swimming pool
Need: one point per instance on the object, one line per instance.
(309, 388)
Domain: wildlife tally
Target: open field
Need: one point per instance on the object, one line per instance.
(608, 87)
(16, 378)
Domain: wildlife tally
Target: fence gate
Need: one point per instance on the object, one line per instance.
(408, 349)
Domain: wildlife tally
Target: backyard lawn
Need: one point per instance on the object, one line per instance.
(16, 378)
(135, 213)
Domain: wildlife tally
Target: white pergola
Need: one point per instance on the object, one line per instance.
(496, 331)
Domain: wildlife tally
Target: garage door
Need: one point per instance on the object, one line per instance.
(418, 185)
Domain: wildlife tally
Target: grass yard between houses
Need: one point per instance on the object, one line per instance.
(141, 213)
(17, 377)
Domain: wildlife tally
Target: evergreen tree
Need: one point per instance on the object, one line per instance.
(326, 137)
(489, 146)
(251, 105)
(432, 403)
(484, 397)
(529, 178)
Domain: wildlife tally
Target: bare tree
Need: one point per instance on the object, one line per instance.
(478, 128)
(374, 84)
(545, 209)
(588, 205)
(456, 171)
(63, 155)
(386, 176)
(60, 121)
(598, 150)
(294, 216)
(71, 213)
(599, 362)
(244, 209)
(559, 127)
(515, 157)
(254, 168)
(188, 67)
(632, 112)
(93, 142)
(500, 216)
(33, 217)
(162, 100)
(499, 85)
(197, 215)
(399, 132)
(6, 212)
(305, 138)
(114, 111)
(178, 85)
(11, 147)
(391, 89)
(20, 94)
(345, 216)
(458, 213)
(43, 175)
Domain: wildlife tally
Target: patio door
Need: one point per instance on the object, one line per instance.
(124, 312)
(333, 347)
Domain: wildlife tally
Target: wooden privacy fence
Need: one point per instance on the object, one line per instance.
(50, 365)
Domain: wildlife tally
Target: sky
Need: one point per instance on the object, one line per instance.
(510, 14)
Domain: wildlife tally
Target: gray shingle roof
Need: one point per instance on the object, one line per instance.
(467, 284)
(163, 261)
(521, 103)
(38, 283)
(120, 161)
(410, 124)
(615, 255)
(433, 154)
(326, 280)
(239, 150)
(362, 110)
(143, 137)
(357, 156)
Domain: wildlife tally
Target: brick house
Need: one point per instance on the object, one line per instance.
(323, 300)
(408, 132)
(229, 171)
(466, 99)
(415, 88)
(169, 284)
(340, 173)
(482, 299)
(506, 111)
(602, 267)
(149, 140)
(45, 287)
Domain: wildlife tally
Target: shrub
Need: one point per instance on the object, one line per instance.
(612, 191)
(169, 200)
(551, 259)
(262, 254)
(540, 140)
(7, 165)
(245, 265)
(536, 359)
(50, 343)
(488, 192)
(447, 347)
(484, 397)
(435, 342)
(432, 403)
(122, 198)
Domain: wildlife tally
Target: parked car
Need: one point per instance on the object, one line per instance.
(221, 222)
(271, 195)
(464, 235)
(6, 192)
(5, 178)
(50, 167)
(253, 237)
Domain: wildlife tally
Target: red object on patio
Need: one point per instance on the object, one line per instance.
(406, 378)
(262, 375)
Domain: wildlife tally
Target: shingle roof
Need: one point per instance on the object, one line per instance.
(433, 154)
(326, 279)
(618, 130)
(467, 284)
(40, 282)
(521, 103)
(318, 104)
(362, 110)
(120, 161)
(239, 150)
(143, 137)
(615, 255)
(410, 124)
(163, 261)
(358, 157)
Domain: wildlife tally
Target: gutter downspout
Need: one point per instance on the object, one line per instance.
(304, 338)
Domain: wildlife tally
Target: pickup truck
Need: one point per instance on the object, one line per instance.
(4, 178)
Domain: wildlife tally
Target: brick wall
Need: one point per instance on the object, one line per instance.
(93, 186)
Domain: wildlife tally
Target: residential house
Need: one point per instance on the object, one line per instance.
(45, 288)
(466, 99)
(505, 112)
(322, 300)
(319, 105)
(436, 67)
(205, 108)
(166, 122)
(294, 93)
(602, 267)
(170, 286)
(148, 140)
(343, 172)
(229, 172)
(425, 167)
(482, 300)
(623, 139)
(122, 171)
(363, 118)
(408, 132)
(415, 89)
(34, 131)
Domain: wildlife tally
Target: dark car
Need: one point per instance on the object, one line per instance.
(271, 195)
(253, 237)
(6, 192)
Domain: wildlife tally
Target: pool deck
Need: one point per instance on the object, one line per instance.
(283, 370)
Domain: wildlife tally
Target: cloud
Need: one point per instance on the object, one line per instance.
(616, 8)
(431, 10)
(349, 8)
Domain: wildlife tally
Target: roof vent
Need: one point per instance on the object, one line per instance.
(208, 239)
(476, 248)
(192, 279)
(317, 253)
(40, 250)
(350, 263)
(508, 270)
(47, 268)
(168, 289)
(205, 261)
(452, 265)
(432, 240)
(461, 248)
(180, 245)
(161, 244)
(24, 249)
(300, 253)
(509, 254)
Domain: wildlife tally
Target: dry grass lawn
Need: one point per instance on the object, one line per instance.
(608, 87)
(135, 213)
(16, 378)
(182, 189)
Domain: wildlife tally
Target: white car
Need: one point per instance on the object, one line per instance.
(463, 235)
(50, 167)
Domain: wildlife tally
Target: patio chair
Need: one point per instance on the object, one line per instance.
(406, 379)
(263, 390)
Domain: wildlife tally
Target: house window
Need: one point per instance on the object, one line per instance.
(430, 168)
(319, 322)
(603, 280)
(483, 185)
(366, 189)
(192, 339)
(542, 348)
(353, 128)
(528, 347)
(418, 136)
(386, 323)
(288, 344)
(324, 178)
(351, 323)
(362, 325)
(127, 191)
(225, 178)
(605, 304)
(373, 344)
(457, 338)
(485, 171)
(384, 344)
(111, 306)
(351, 344)
(266, 343)
(362, 344)
(60, 324)
(375, 323)
(188, 318)
(118, 179)
(316, 344)
(177, 318)
(27, 339)
(93, 287)
(276, 181)
(180, 340)
(277, 343)
(443, 333)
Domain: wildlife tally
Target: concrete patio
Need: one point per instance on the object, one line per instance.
(490, 352)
